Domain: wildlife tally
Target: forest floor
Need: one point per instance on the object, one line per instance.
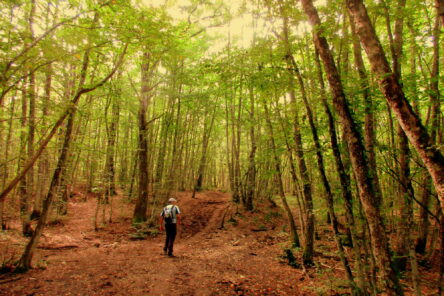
(242, 258)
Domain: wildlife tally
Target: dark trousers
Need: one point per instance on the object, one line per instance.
(171, 231)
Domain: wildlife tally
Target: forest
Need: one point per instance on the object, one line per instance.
(302, 139)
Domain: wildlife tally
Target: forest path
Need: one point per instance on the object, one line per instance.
(210, 260)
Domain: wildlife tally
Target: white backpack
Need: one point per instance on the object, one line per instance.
(168, 213)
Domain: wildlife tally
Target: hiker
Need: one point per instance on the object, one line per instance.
(169, 218)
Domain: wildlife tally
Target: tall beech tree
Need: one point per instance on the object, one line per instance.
(392, 90)
(356, 150)
(148, 68)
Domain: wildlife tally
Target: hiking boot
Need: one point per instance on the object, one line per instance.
(171, 255)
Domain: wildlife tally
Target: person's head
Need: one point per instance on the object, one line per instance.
(172, 200)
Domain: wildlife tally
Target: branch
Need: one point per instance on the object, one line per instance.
(154, 119)
(52, 29)
(59, 122)
(6, 89)
(395, 176)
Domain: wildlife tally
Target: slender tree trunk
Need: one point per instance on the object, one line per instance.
(110, 170)
(25, 261)
(307, 255)
(23, 189)
(43, 177)
(294, 69)
(43, 165)
(306, 188)
(369, 125)
(140, 214)
(31, 116)
(203, 159)
(235, 141)
(278, 176)
(425, 181)
(440, 8)
(31, 136)
(61, 183)
(392, 90)
(5, 174)
(251, 172)
(423, 231)
(162, 153)
(340, 168)
(233, 189)
(177, 151)
(126, 157)
(360, 165)
(321, 167)
(165, 128)
(293, 173)
(27, 140)
(401, 245)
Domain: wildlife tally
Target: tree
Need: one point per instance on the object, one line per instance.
(356, 149)
(392, 90)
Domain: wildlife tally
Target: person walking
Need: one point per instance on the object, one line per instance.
(169, 218)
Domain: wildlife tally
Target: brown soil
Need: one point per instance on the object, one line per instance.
(241, 259)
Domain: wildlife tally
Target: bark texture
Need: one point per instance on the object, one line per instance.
(392, 90)
(358, 159)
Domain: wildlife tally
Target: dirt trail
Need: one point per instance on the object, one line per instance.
(210, 261)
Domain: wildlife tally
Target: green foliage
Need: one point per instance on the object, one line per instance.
(290, 259)
(232, 221)
(271, 215)
(143, 230)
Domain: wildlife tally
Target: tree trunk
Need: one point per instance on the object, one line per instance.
(392, 90)
(5, 173)
(440, 8)
(321, 167)
(23, 189)
(251, 172)
(405, 194)
(25, 260)
(360, 165)
(43, 165)
(203, 159)
(177, 151)
(140, 214)
(233, 188)
(280, 186)
(425, 180)
(31, 136)
(110, 170)
(307, 255)
(294, 177)
(61, 182)
(369, 126)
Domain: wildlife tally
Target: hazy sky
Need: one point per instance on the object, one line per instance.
(240, 28)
